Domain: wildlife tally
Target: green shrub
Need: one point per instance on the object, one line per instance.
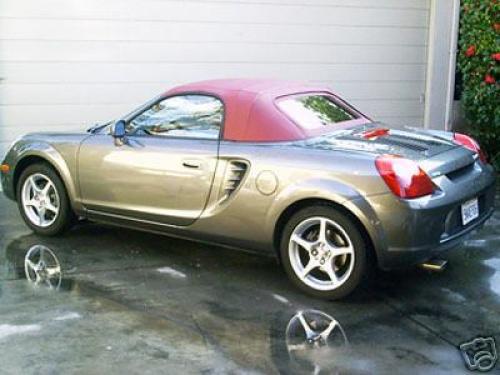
(478, 61)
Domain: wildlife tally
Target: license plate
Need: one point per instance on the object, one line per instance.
(470, 211)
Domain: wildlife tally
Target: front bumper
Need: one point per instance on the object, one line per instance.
(420, 229)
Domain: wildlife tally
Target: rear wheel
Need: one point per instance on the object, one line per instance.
(43, 201)
(323, 252)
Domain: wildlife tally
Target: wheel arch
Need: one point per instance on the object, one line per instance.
(347, 210)
(54, 160)
(24, 163)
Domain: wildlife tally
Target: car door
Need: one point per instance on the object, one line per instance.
(163, 170)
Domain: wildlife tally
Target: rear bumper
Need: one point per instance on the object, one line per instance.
(418, 230)
(396, 258)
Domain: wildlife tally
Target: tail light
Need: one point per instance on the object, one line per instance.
(471, 144)
(404, 177)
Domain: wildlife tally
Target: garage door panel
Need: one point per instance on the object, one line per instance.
(206, 52)
(114, 93)
(398, 4)
(70, 63)
(379, 90)
(12, 6)
(182, 72)
(402, 121)
(14, 116)
(71, 93)
(387, 108)
(112, 31)
(222, 12)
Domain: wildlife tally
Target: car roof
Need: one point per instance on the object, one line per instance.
(250, 113)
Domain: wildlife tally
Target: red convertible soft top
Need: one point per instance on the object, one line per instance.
(251, 114)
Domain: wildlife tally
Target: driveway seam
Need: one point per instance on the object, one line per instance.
(393, 306)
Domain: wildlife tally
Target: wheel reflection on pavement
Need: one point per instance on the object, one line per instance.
(314, 341)
(42, 267)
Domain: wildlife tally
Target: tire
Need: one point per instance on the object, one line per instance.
(57, 214)
(329, 267)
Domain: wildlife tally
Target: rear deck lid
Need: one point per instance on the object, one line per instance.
(435, 152)
(415, 144)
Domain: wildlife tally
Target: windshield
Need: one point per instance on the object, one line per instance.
(315, 111)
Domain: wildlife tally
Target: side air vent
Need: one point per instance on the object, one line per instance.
(235, 172)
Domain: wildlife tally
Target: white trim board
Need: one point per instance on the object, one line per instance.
(440, 80)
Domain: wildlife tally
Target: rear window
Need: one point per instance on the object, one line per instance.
(314, 111)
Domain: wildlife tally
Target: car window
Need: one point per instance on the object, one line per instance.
(314, 111)
(194, 116)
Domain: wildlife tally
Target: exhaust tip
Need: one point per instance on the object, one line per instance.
(434, 265)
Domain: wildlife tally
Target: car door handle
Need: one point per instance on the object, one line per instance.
(191, 163)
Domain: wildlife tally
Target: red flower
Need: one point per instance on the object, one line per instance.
(496, 26)
(471, 51)
(488, 78)
(496, 56)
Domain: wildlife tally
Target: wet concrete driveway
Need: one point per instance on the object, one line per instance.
(111, 300)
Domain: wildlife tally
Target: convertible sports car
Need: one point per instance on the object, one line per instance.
(262, 165)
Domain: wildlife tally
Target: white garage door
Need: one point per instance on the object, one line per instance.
(66, 64)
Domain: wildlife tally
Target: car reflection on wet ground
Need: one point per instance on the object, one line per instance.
(110, 300)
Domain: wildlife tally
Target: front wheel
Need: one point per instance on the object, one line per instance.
(43, 201)
(323, 252)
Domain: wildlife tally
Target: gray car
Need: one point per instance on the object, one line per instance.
(277, 167)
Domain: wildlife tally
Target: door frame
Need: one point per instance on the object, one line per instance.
(441, 63)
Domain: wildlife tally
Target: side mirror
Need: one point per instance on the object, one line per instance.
(118, 132)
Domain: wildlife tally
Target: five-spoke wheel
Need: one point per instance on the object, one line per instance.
(40, 200)
(323, 252)
(43, 200)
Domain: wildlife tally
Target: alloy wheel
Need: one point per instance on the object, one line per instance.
(40, 200)
(321, 253)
